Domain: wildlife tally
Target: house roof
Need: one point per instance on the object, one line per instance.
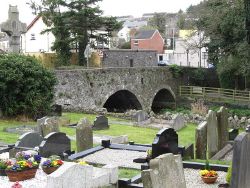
(145, 34)
(33, 22)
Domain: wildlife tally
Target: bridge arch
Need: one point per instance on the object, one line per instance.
(163, 98)
(121, 101)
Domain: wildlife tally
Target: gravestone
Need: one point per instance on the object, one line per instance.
(29, 140)
(212, 134)
(165, 171)
(201, 141)
(48, 125)
(222, 118)
(140, 116)
(56, 110)
(100, 123)
(84, 135)
(55, 143)
(241, 163)
(166, 141)
(178, 122)
(233, 133)
(14, 28)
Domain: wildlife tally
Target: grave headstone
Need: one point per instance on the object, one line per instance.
(14, 28)
(212, 134)
(178, 122)
(241, 163)
(100, 123)
(140, 116)
(56, 110)
(166, 141)
(47, 125)
(84, 135)
(201, 141)
(29, 140)
(222, 118)
(165, 171)
(189, 152)
(55, 143)
(233, 133)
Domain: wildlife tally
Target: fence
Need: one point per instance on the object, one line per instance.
(216, 93)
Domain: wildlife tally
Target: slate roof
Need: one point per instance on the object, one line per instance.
(145, 34)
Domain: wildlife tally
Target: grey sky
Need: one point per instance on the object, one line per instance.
(110, 7)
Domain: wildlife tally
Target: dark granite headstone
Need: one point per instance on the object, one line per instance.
(29, 140)
(233, 133)
(56, 110)
(55, 143)
(241, 163)
(166, 141)
(101, 122)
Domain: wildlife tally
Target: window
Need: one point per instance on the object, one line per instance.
(136, 43)
(32, 37)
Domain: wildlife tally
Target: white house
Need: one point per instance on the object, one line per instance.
(124, 34)
(33, 41)
(188, 50)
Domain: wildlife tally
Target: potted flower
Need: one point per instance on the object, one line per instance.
(23, 167)
(208, 176)
(3, 165)
(21, 170)
(51, 165)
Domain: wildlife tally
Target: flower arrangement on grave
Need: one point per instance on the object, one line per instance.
(51, 164)
(3, 165)
(208, 176)
(149, 155)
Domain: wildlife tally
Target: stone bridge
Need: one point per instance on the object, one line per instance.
(117, 89)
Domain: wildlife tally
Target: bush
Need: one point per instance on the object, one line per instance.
(26, 88)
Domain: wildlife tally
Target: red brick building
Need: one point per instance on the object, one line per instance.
(148, 40)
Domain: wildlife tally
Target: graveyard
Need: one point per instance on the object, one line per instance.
(124, 146)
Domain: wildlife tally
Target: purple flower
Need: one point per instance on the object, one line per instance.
(47, 163)
(26, 157)
(37, 158)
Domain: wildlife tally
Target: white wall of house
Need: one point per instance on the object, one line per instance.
(124, 34)
(33, 41)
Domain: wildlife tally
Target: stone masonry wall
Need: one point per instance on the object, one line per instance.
(88, 89)
(123, 58)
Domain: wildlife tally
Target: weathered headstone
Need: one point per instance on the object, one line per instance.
(222, 118)
(14, 28)
(100, 123)
(166, 141)
(189, 152)
(201, 141)
(178, 122)
(212, 134)
(241, 163)
(56, 110)
(140, 116)
(47, 125)
(55, 143)
(84, 135)
(165, 171)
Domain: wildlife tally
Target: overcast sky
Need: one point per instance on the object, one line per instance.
(110, 7)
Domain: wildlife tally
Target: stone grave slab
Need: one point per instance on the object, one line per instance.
(55, 143)
(84, 135)
(166, 141)
(47, 125)
(212, 134)
(101, 123)
(222, 118)
(178, 122)
(165, 171)
(201, 141)
(140, 116)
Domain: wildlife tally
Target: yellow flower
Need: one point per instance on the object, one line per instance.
(204, 172)
(54, 163)
(83, 163)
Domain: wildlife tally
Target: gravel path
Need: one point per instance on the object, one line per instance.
(122, 158)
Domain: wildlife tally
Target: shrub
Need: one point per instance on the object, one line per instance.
(26, 88)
